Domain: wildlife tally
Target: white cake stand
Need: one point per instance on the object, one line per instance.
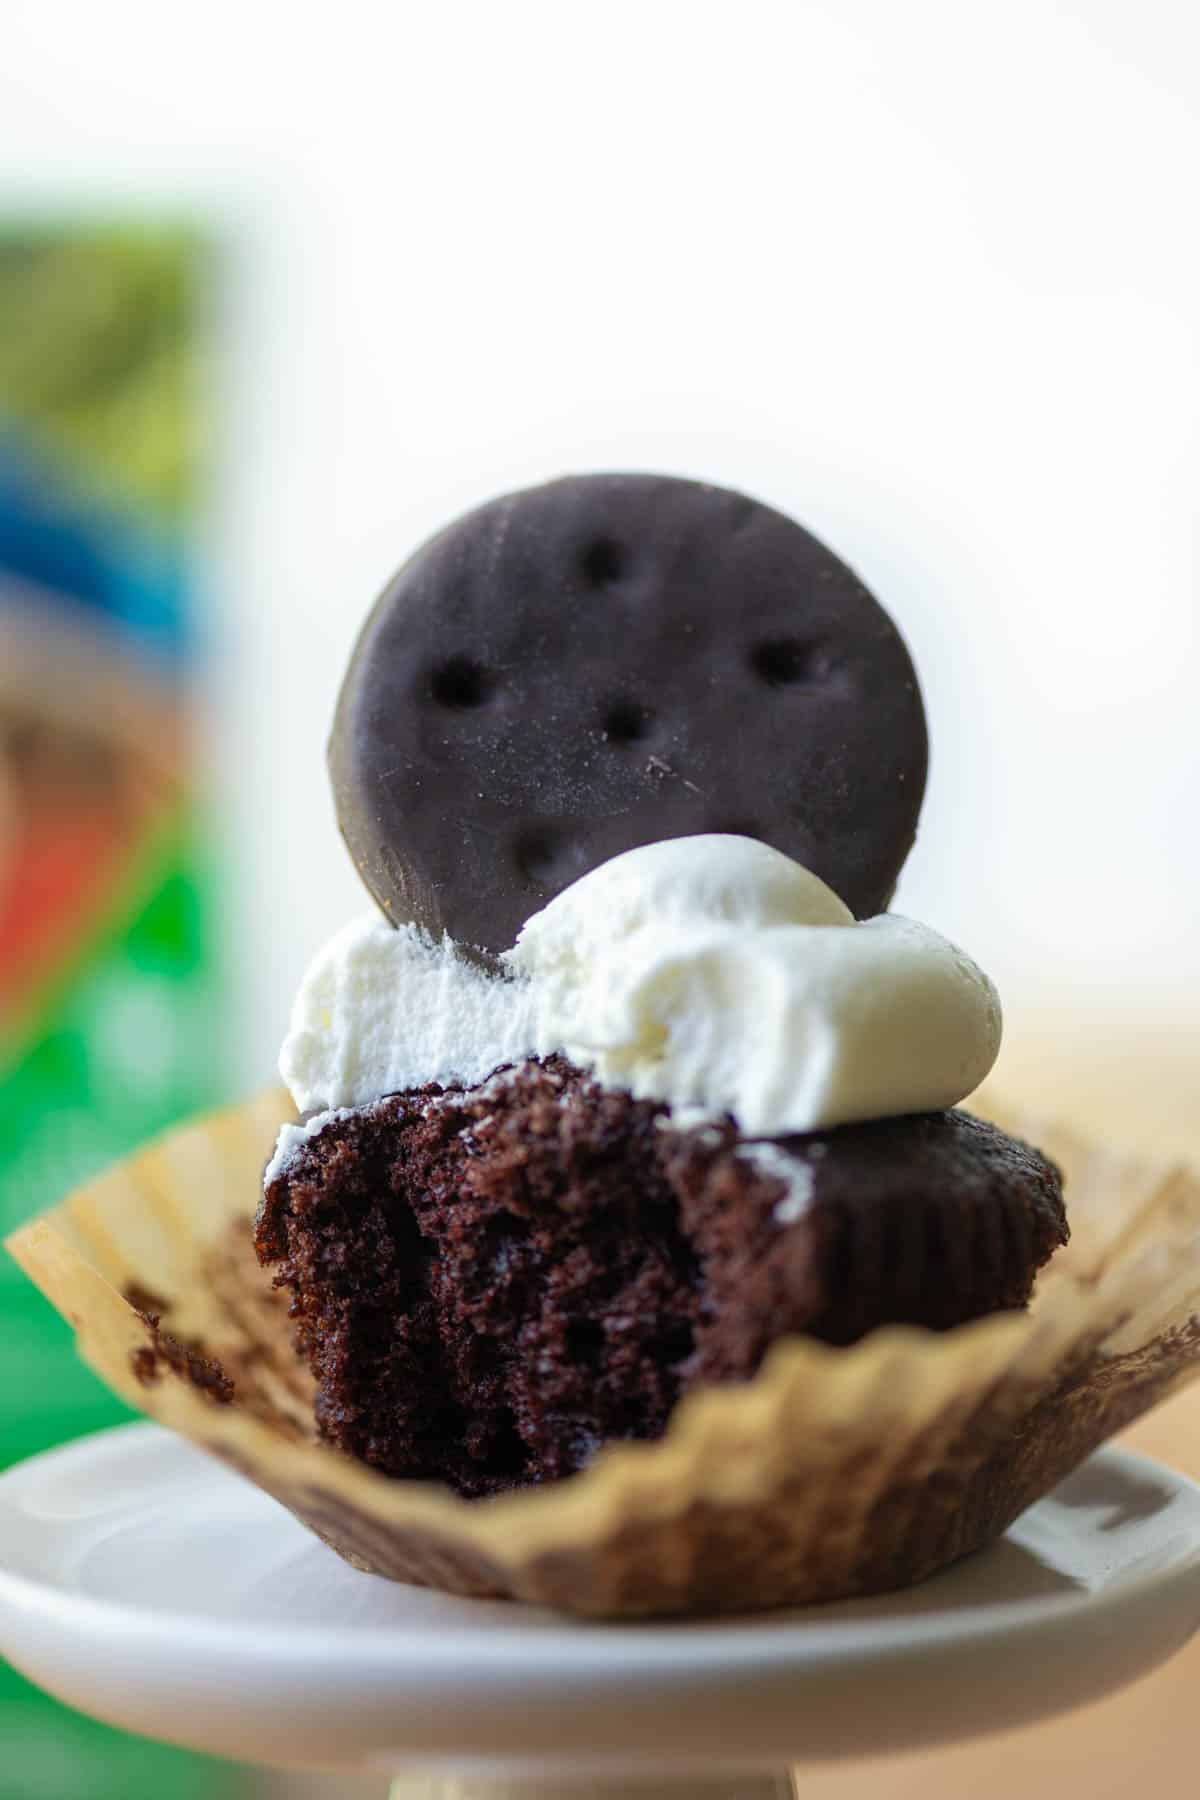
(147, 1585)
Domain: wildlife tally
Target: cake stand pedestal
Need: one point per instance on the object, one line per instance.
(145, 1584)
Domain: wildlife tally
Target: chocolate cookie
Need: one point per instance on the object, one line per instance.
(611, 660)
(489, 1285)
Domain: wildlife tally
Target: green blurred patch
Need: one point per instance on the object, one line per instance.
(130, 1044)
(124, 1049)
(51, 1754)
(103, 355)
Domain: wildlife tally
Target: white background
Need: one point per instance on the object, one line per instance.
(926, 275)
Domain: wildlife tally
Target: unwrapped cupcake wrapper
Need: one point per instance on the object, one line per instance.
(834, 1472)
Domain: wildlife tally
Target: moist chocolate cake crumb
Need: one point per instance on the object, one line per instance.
(488, 1285)
(144, 1300)
(188, 1361)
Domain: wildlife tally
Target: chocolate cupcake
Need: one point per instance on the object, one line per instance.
(628, 1145)
(634, 1079)
(489, 1285)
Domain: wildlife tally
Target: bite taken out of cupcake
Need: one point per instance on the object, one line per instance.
(632, 1075)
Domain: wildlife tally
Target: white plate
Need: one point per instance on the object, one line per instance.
(144, 1583)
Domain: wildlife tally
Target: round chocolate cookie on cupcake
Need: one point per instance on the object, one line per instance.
(634, 1076)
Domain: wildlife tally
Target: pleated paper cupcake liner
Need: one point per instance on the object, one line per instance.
(835, 1472)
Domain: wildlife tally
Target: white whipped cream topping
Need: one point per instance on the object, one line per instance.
(710, 972)
(795, 1173)
(382, 1009)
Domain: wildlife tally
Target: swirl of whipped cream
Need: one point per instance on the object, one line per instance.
(713, 973)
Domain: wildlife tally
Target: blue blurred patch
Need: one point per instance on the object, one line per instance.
(91, 557)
